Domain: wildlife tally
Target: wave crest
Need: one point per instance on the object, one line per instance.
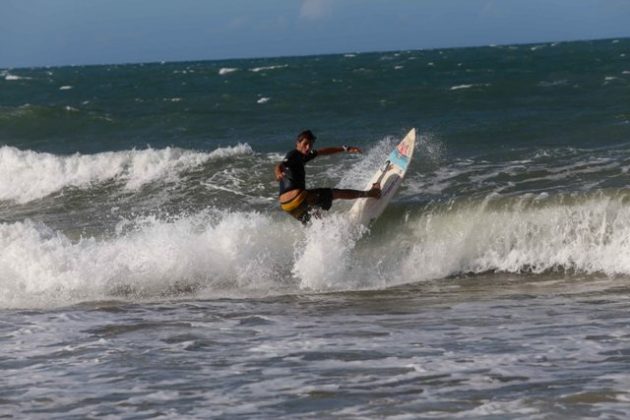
(26, 175)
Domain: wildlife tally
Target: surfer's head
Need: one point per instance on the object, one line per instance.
(306, 134)
(304, 141)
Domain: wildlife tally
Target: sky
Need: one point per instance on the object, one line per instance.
(37, 33)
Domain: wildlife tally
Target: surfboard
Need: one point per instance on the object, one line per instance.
(389, 176)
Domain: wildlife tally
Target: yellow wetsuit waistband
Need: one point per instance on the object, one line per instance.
(295, 202)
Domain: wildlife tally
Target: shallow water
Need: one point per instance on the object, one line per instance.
(477, 346)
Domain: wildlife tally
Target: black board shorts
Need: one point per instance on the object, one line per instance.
(320, 197)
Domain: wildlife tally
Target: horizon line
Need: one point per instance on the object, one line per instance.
(325, 54)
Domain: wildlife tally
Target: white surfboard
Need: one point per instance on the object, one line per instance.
(390, 176)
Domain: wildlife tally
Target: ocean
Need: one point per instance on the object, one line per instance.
(146, 270)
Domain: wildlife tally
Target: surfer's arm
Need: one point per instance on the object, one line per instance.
(278, 171)
(341, 149)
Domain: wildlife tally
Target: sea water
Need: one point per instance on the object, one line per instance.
(147, 271)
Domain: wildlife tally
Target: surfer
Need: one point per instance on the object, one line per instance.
(294, 198)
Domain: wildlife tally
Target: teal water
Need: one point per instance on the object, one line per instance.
(549, 94)
(146, 269)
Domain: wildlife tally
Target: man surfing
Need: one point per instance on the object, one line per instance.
(294, 198)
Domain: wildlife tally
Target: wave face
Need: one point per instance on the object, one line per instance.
(149, 181)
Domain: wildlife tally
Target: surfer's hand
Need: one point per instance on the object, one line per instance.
(352, 149)
(278, 172)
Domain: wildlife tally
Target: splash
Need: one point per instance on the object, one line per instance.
(213, 252)
(324, 258)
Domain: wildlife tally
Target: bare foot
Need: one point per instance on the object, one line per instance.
(375, 192)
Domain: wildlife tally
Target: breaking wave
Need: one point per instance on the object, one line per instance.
(27, 175)
(216, 253)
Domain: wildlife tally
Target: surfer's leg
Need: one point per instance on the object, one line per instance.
(323, 197)
(375, 192)
(320, 197)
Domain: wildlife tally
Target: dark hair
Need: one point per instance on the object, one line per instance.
(306, 134)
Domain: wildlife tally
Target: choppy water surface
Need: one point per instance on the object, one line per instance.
(496, 346)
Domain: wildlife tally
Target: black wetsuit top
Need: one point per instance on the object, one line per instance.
(294, 173)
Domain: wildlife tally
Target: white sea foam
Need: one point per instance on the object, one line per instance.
(227, 70)
(263, 100)
(210, 251)
(458, 87)
(561, 82)
(501, 408)
(12, 77)
(27, 175)
(469, 86)
(65, 87)
(264, 68)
